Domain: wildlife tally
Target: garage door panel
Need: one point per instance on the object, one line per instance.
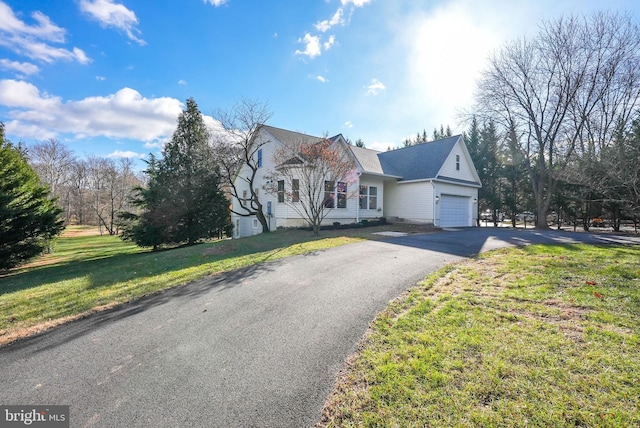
(454, 211)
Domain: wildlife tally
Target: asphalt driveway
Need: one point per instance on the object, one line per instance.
(259, 347)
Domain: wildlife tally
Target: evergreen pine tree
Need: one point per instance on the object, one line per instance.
(183, 202)
(29, 217)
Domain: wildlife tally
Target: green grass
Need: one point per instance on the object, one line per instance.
(535, 336)
(89, 273)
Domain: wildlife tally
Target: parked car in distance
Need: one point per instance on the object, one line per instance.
(526, 216)
(487, 215)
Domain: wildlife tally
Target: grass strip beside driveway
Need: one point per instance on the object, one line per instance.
(533, 336)
(86, 274)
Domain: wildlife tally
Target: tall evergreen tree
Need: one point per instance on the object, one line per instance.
(29, 217)
(482, 143)
(183, 202)
(472, 139)
(492, 181)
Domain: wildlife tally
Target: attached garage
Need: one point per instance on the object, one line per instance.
(454, 211)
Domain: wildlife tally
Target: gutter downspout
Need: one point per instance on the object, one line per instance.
(434, 203)
(358, 201)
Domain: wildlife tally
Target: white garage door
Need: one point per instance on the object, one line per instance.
(454, 211)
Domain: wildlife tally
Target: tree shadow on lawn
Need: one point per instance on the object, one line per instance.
(87, 323)
(107, 271)
(468, 242)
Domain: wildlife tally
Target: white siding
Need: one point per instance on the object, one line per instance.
(409, 201)
(287, 216)
(247, 224)
(449, 167)
(471, 195)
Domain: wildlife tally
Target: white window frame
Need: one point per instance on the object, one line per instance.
(295, 190)
(366, 198)
(337, 195)
(281, 195)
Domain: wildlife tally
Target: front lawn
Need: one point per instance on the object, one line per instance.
(88, 272)
(534, 336)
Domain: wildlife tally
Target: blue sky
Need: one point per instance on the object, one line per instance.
(109, 77)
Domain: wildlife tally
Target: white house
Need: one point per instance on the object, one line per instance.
(434, 183)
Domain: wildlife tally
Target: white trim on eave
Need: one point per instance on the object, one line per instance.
(440, 180)
(377, 174)
(459, 183)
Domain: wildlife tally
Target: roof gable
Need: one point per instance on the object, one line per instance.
(289, 138)
(367, 159)
(420, 161)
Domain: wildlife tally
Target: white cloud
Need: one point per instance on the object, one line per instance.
(14, 127)
(348, 124)
(118, 154)
(125, 114)
(22, 68)
(216, 3)
(16, 93)
(38, 50)
(336, 19)
(34, 41)
(182, 82)
(101, 78)
(45, 29)
(322, 79)
(327, 45)
(375, 87)
(313, 43)
(115, 15)
(312, 46)
(356, 3)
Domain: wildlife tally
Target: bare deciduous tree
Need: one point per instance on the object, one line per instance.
(110, 184)
(52, 160)
(79, 206)
(311, 177)
(564, 90)
(236, 149)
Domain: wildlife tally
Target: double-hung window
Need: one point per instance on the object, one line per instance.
(280, 191)
(368, 197)
(295, 190)
(329, 200)
(341, 188)
(373, 198)
(335, 194)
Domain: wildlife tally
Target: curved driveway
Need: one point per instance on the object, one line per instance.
(259, 347)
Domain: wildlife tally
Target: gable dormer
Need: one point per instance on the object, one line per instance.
(458, 165)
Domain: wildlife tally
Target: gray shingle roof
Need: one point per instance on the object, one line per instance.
(289, 137)
(421, 161)
(368, 159)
